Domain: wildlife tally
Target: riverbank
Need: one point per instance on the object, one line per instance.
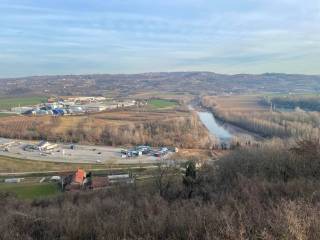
(224, 130)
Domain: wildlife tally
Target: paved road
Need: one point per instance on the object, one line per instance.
(81, 154)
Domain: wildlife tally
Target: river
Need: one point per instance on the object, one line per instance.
(214, 127)
(223, 132)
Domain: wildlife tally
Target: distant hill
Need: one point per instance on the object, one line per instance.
(192, 82)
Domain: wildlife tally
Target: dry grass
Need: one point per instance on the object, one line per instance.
(68, 123)
(192, 154)
(237, 103)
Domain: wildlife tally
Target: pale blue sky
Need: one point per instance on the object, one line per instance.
(40, 37)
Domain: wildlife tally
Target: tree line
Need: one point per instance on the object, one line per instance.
(270, 123)
(180, 131)
(309, 103)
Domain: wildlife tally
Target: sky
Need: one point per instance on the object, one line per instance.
(49, 37)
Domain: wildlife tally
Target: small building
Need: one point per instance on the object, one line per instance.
(58, 112)
(55, 178)
(79, 176)
(76, 109)
(94, 107)
(45, 146)
(75, 181)
(13, 180)
(120, 178)
(80, 180)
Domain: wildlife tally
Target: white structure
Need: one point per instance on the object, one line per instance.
(93, 107)
(55, 178)
(120, 178)
(13, 180)
(45, 146)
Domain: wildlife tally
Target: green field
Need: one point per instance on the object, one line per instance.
(8, 103)
(162, 103)
(39, 168)
(31, 190)
(16, 165)
(6, 114)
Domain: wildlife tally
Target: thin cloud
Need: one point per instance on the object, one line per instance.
(165, 35)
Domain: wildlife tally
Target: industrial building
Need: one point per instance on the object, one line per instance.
(73, 105)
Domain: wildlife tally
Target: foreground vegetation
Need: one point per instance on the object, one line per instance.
(269, 192)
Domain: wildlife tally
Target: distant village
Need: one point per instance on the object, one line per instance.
(59, 106)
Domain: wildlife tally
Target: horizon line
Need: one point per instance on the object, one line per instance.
(159, 72)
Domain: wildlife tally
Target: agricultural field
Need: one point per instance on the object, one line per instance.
(181, 97)
(162, 103)
(8, 103)
(239, 103)
(31, 190)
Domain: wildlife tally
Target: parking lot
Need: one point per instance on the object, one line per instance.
(71, 153)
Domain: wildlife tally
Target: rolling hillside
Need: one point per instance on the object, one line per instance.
(191, 82)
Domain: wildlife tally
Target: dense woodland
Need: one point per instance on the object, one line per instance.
(295, 124)
(270, 192)
(156, 129)
(310, 103)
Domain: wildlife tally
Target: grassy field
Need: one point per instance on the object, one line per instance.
(7, 103)
(31, 191)
(162, 103)
(15, 165)
(178, 96)
(6, 114)
(237, 103)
